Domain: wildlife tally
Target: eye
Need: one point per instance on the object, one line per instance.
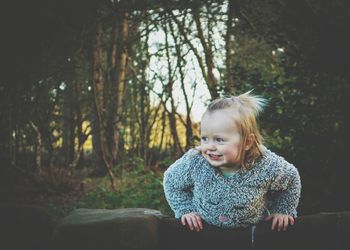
(219, 139)
(204, 139)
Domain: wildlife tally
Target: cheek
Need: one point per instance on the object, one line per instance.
(229, 150)
(226, 150)
(204, 148)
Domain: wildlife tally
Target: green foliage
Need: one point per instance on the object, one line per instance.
(59, 211)
(54, 180)
(136, 189)
(163, 159)
(277, 142)
(129, 162)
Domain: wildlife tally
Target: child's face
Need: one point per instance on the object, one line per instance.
(220, 138)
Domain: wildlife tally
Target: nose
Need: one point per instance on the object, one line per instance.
(211, 146)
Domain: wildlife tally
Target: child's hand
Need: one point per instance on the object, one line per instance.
(193, 221)
(280, 221)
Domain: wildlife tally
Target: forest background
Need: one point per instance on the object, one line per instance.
(99, 97)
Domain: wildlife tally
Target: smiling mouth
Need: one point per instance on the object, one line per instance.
(214, 157)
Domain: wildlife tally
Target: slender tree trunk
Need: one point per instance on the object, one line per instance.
(121, 80)
(50, 151)
(172, 123)
(65, 129)
(98, 91)
(169, 91)
(118, 84)
(146, 110)
(143, 120)
(149, 129)
(68, 124)
(100, 166)
(163, 130)
(71, 122)
(132, 117)
(207, 67)
(111, 86)
(81, 139)
(188, 124)
(10, 137)
(212, 81)
(79, 154)
(15, 146)
(16, 149)
(38, 147)
(230, 85)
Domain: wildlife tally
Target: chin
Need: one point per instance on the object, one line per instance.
(215, 163)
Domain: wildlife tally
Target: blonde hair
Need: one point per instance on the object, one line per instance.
(248, 108)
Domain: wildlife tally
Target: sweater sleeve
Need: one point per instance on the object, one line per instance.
(178, 184)
(286, 189)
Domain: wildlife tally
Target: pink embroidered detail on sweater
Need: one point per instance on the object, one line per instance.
(223, 218)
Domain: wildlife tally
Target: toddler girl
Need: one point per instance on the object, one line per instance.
(232, 180)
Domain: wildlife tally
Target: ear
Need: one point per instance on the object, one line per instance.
(249, 142)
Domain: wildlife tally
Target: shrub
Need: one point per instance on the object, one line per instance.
(137, 188)
(54, 180)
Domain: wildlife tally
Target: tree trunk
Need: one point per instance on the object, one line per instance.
(118, 79)
(98, 92)
(100, 166)
(143, 120)
(79, 153)
(38, 147)
(230, 86)
(163, 130)
(211, 80)
(206, 68)
(71, 123)
(50, 151)
(121, 79)
(79, 122)
(169, 92)
(188, 124)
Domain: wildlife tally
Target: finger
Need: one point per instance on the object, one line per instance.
(183, 222)
(199, 222)
(285, 223)
(194, 222)
(189, 222)
(280, 224)
(268, 218)
(274, 222)
(291, 220)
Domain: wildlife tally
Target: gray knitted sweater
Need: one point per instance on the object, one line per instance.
(271, 186)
